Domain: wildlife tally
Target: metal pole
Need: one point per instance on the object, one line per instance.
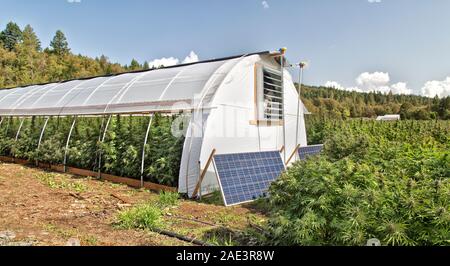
(100, 152)
(42, 132)
(67, 143)
(8, 125)
(143, 149)
(1, 121)
(192, 123)
(200, 188)
(41, 136)
(300, 81)
(284, 105)
(20, 128)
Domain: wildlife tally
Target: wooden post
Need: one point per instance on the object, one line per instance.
(293, 154)
(202, 176)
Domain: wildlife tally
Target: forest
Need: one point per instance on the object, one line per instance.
(23, 60)
(333, 103)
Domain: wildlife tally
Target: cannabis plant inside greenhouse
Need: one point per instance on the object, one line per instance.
(116, 150)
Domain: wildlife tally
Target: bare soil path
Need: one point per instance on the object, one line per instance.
(50, 209)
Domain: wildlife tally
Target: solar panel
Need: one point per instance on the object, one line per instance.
(305, 152)
(244, 177)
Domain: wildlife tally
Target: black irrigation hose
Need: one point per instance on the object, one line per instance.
(206, 223)
(183, 238)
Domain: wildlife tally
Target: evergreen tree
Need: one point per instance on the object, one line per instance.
(146, 66)
(59, 44)
(11, 36)
(30, 38)
(134, 65)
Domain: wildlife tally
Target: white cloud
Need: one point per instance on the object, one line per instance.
(265, 4)
(380, 82)
(374, 1)
(373, 82)
(376, 82)
(336, 85)
(73, 1)
(439, 88)
(171, 61)
(401, 88)
(191, 58)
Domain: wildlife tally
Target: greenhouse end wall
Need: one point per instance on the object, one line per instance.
(229, 127)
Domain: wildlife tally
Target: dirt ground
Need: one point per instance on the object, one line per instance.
(41, 208)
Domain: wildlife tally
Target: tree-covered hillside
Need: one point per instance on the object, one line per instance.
(23, 61)
(333, 103)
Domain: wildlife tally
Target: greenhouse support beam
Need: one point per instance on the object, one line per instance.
(7, 126)
(67, 143)
(150, 122)
(102, 139)
(20, 128)
(1, 121)
(42, 132)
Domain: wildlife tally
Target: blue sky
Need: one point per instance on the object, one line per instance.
(401, 45)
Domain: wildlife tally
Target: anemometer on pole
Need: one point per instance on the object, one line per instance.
(302, 66)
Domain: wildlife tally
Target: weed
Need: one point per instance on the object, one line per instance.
(221, 237)
(69, 233)
(144, 216)
(57, 182)
(89, 240)
(168, 199)
(214, 198)
(225, 218)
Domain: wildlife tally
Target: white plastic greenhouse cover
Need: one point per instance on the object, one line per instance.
(137, 92)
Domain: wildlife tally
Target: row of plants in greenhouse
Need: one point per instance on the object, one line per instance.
(118, 149)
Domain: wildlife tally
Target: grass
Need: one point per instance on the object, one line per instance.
(221, 237)
(148, 215)
(214, 198)
(143, 216)
(88, 240)
(260, 205)
(225, 217)
(55, 181)
(168, 199)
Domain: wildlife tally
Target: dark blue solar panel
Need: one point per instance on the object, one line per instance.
(245, 177)
(305, 152)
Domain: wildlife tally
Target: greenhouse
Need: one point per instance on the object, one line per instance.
(158, 126)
